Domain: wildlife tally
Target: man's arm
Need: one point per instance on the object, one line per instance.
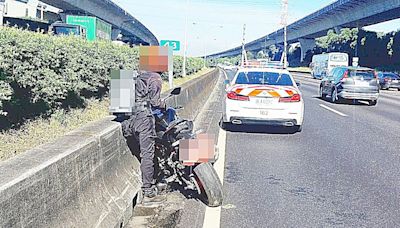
(155, 87)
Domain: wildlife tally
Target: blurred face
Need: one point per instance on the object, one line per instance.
(155, 58)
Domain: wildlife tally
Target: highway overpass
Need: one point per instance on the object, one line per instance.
(107, 10)
(340, 14)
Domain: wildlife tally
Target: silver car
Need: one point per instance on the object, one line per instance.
(353, 83)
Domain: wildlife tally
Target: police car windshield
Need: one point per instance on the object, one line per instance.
(264, 78)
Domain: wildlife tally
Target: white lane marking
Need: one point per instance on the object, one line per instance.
(333, 110)
(212, 217)
(226, 75)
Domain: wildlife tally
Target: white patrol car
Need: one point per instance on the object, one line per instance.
(265, 96)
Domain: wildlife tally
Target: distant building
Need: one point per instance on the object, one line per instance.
(30, 9)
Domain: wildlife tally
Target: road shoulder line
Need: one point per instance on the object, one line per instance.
(333, 110)
(212, 217)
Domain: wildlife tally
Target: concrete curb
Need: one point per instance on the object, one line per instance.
(165, 215)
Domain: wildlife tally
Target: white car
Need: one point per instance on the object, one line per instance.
(264, 96)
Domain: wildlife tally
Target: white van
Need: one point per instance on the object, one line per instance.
(322, 64)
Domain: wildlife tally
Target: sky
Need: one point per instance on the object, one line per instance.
(217, 25)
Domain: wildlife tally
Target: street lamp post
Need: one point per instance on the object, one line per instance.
(205, 54)
(284, 22)
(205, 45)
(185, 41)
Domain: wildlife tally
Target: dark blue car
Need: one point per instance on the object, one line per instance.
(389, 80)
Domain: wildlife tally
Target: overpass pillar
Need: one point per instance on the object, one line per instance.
(1, 12)
(114, 33)
(337, 29)
(306, 45)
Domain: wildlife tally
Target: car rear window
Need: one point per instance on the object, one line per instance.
(264, 78)
(366, 75)
(390, 75)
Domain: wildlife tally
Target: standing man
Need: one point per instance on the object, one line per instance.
(142, 123)
(142, 126)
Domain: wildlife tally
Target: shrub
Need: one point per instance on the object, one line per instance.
(40, 73)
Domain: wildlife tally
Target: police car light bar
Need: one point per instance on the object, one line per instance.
(263, 64)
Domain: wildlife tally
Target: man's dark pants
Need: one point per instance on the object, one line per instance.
(142, 126)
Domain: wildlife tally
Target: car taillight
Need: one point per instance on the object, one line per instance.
(345, 76)
(234, 96)
(294, 98)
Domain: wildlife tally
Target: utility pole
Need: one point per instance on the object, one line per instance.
(185, 42)
(284, 23)
(205, 54)
(244, 54)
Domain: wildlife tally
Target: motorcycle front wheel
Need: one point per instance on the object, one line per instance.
(209, 184)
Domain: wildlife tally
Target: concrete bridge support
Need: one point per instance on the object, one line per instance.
(1, 12)
(306, 45)
(337, 29)
(114, 33)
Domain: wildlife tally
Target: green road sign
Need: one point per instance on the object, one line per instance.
(176, 45)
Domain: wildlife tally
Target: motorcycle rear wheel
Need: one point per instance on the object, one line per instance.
(209, 183)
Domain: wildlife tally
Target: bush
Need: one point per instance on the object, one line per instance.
(193, 65)
(41, 73)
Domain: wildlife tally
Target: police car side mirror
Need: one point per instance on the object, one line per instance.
(176, 91)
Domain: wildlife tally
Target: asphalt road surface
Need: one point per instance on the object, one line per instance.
(343, 170)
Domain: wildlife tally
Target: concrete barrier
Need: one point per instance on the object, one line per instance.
(194, 94)
(87, 178)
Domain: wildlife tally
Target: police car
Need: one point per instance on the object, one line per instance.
(263, 96)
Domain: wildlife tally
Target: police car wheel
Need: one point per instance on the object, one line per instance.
(222, 124)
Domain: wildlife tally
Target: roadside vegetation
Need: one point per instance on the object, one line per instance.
(51, 85)
(380, 51)
(376, 50)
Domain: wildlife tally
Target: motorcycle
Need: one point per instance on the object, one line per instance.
(200, 177)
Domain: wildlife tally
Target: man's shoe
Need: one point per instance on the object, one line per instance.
(151, 197)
